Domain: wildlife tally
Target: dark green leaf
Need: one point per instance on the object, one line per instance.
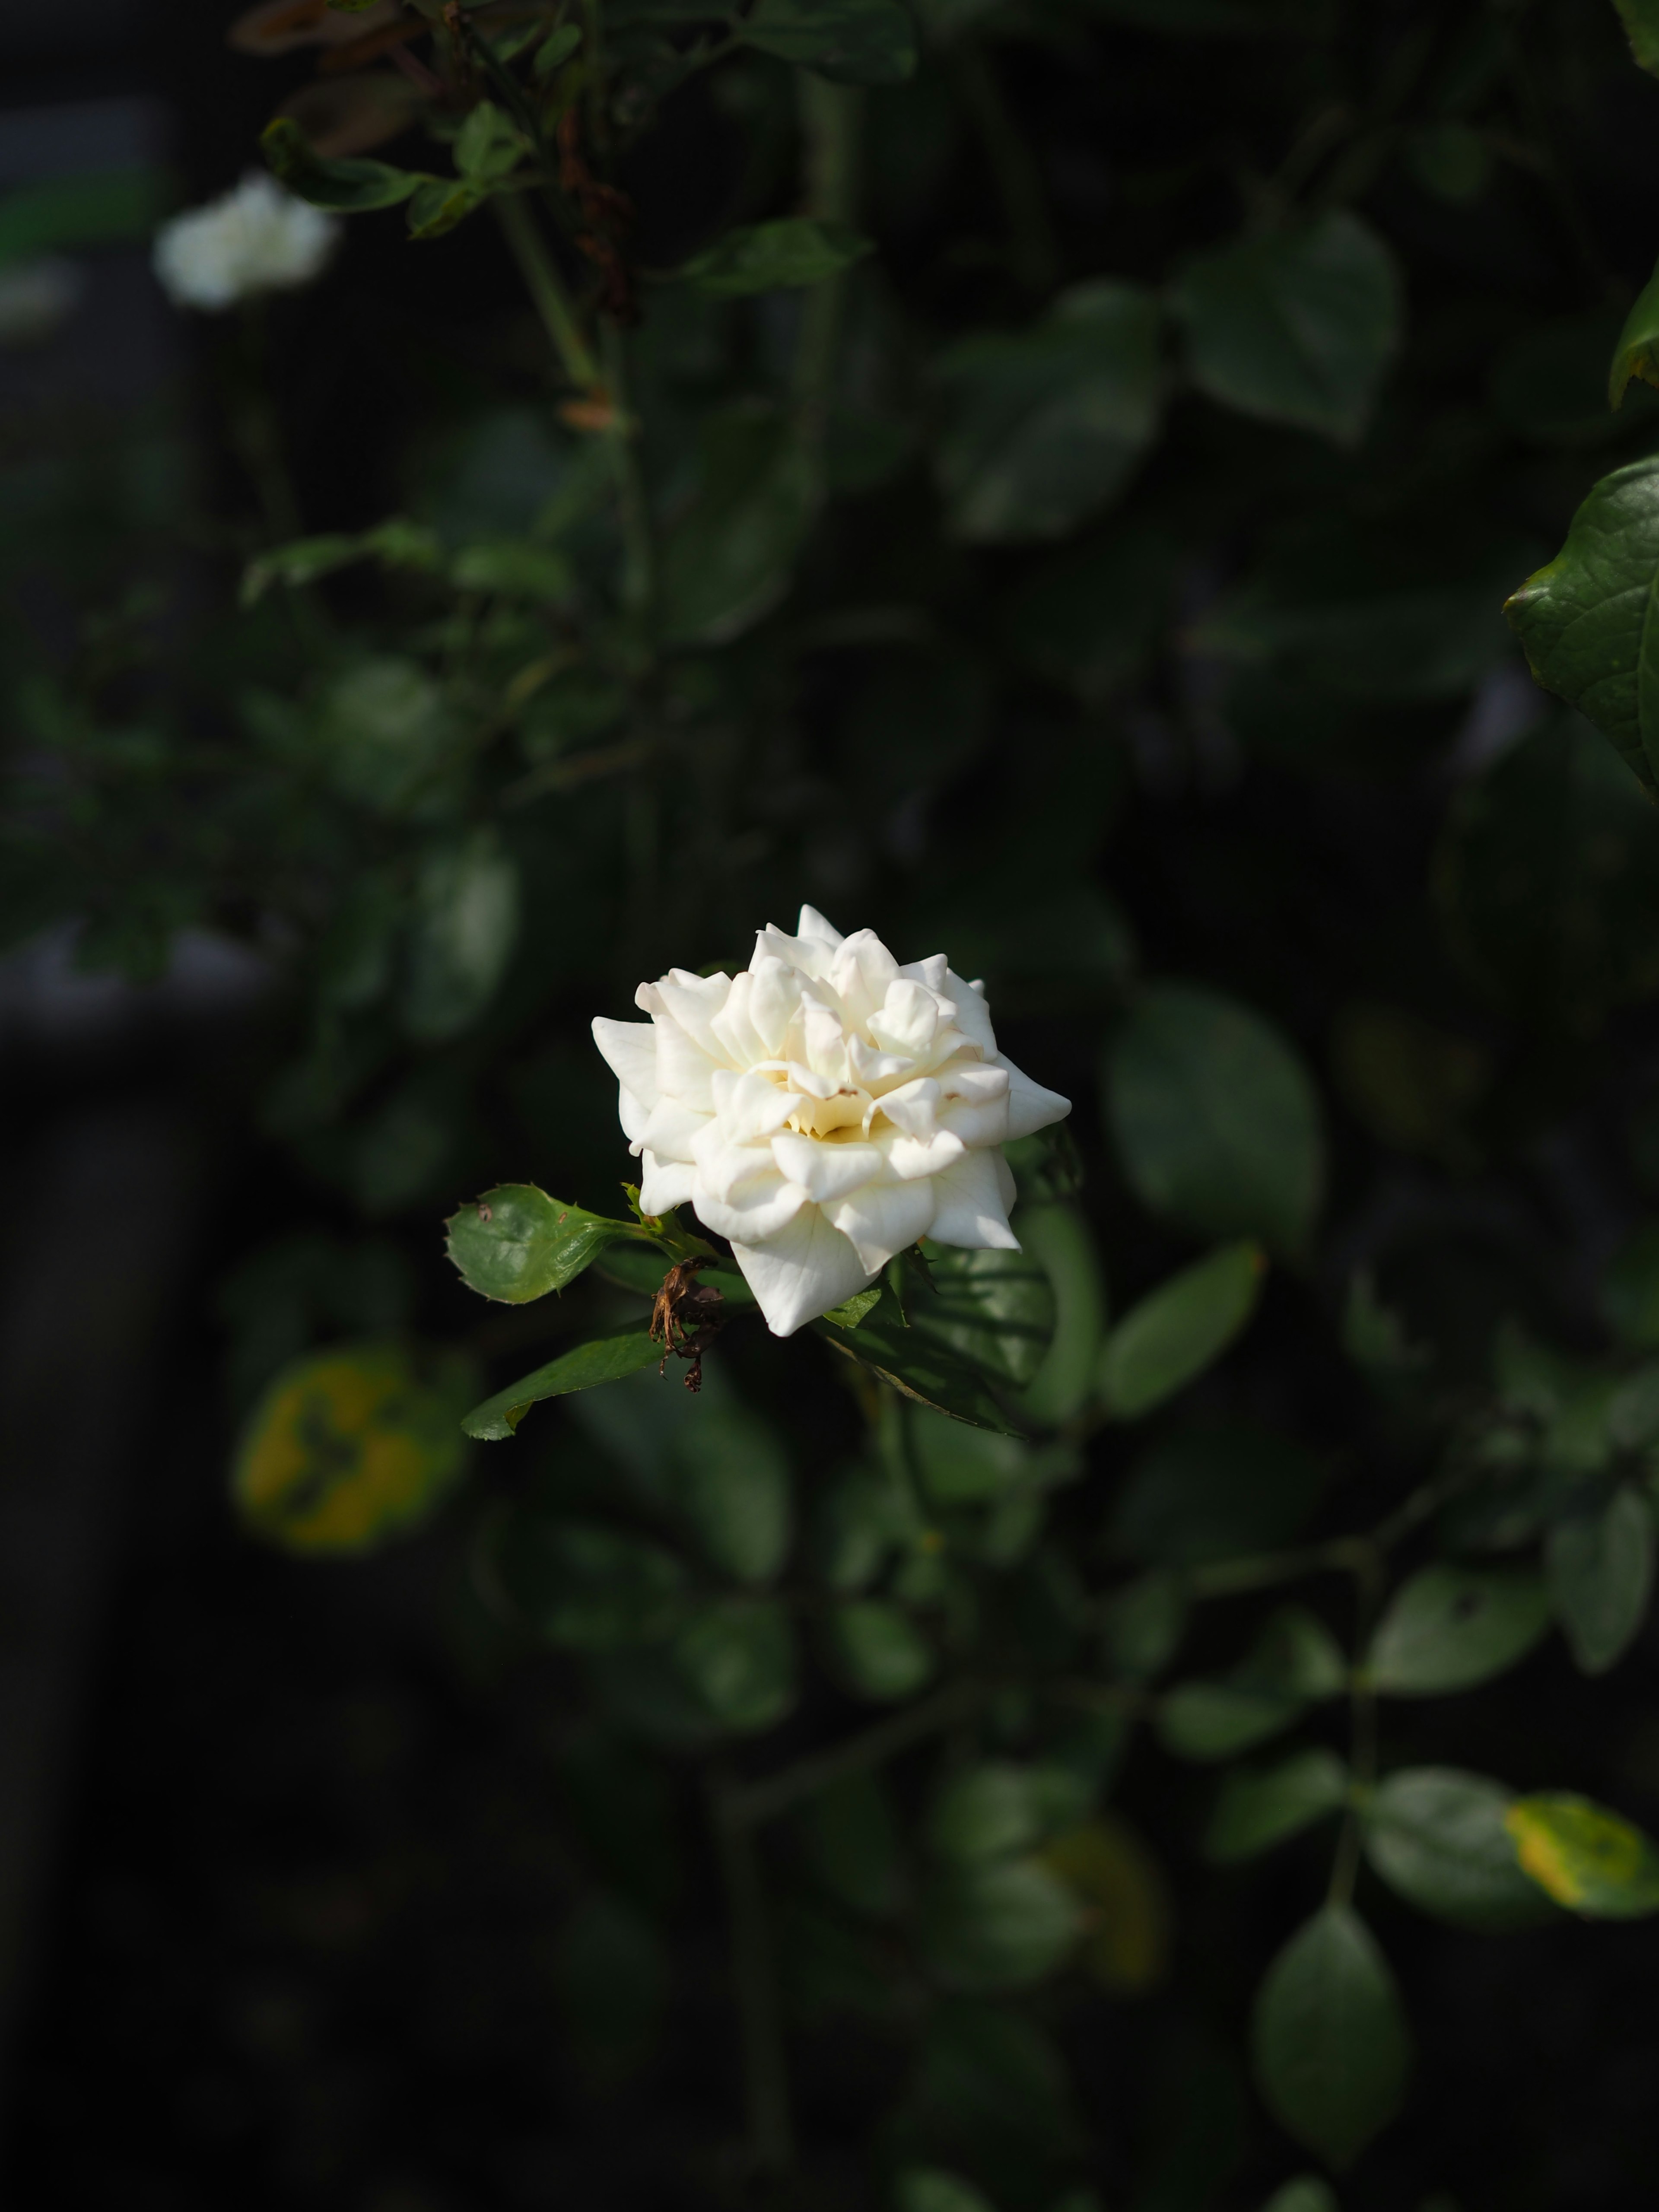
(517, 568)
(395, 542)
(1266, 1806)
(1450, 1627)
(859, 1520)
(738, 1655)
(1207, 1721)
(1437, 1837)
(878, 1650)
(1215, 1118)
(960, 1466)
(1298, 326)
(1144, 1622)
(584, 1585)
(1584, 1857)
(516, 1243)
(995, 1309)
(731, 1479)
(1217, 1489)
(730, 558)
(998, 1924)
(989, 1811)
(355, 187)
(556, 49)
(1586, 621)
(771, 257)
(1178, 1330)
(488, 145)
(607, 1360)
(1600, 1564)
(386, 734)
(1550, 386)
(1058, 1238)
(1329, 2040)
(441, 202)
(853, 41)
(464, 925)
(918, 1366)
(1042, 429)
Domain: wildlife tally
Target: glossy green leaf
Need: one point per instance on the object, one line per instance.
(1584, 1857)
(1215, 1489)
(853, 41)
(1599, 1563)
(1259, 1807)
(1216, 1121)
(1298, 326)
(354, 187)
(583, 1584)
(729, 558)
(988, 1811)
(932, 2189)
(1058, 1238)
(918, 1365)
(996, 1924)
(771, 257)
(463, 928)
(1641, 20)
(1437, 1837)
(1586, 621)
(739, 1656)
(994, 1310)
(1450, 1627)
(878, 1651)
(1176, 1332)
(607, 1360)
(349, 1449)
(516, 1243)
(1040, 429)
(1329, 2040)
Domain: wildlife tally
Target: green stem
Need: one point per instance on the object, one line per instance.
(546, 289)
(766, 2081)
(751, 1802)
(1033, 251)
(829, 119)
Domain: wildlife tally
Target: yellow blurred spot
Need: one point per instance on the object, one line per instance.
(1125, 1901)
(349, 1448)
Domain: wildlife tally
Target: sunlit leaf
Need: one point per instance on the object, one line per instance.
(1584, 1857)
(516, 1243)
(607, 1360)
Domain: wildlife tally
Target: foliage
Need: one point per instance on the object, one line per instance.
(1068, 576)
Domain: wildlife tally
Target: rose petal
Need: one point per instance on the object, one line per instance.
(671, 1129)
(665, 1184)
(757, 1210)
(882, 1218)
(970, 1207)
(630, 1047)
(1031, 1108)
(801, 1273)
(812, 924)
(825, 1171)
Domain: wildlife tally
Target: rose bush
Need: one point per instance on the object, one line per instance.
(823, 1110)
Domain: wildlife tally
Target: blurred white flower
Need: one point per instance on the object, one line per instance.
(823, 1110)
(257, 238)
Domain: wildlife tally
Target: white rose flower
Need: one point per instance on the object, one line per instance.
(823, 1110)
(256, 239)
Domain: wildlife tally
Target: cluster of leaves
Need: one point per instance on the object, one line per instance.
(943, 528)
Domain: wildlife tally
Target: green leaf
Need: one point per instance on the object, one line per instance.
(584, 1585)
(739, 1656)
(1144, 1622)
(1450, 1627)
(1586, 620)
(731, 1479)
(988, 1811)
(1641, 20)
(1215, 1489)
(1206, 1720)
(1178, 1330)
(853, 41)
(1058, 1238)
(1584, 1857)
(772, 256)
(859, 1522)
(931, 2189)
(996, 1924)
(606, 1360)
(1216, 1119)
(1636, 353)
(517, 568)
(1307, 2193)
(1261, 1806)
(355, 187)
(1600, 1567)
(1437, 1837)
(463, 929)
(556, 51)
(878, 1650)
(440, 204)
(851, 1312)
(730, 558)
(386, 735)
(487, 146)
(397, 542)
(1042, 428)
(1296, 327)
(960, 1466)
(349, 1449)
(516, 1243)
(1329, 2040)
(917, 1365)
(994, 1310)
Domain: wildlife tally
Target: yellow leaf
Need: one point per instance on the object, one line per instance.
(1584, 1857)
(1125, 1899)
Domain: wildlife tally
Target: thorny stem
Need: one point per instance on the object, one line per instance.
(766, 2082)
